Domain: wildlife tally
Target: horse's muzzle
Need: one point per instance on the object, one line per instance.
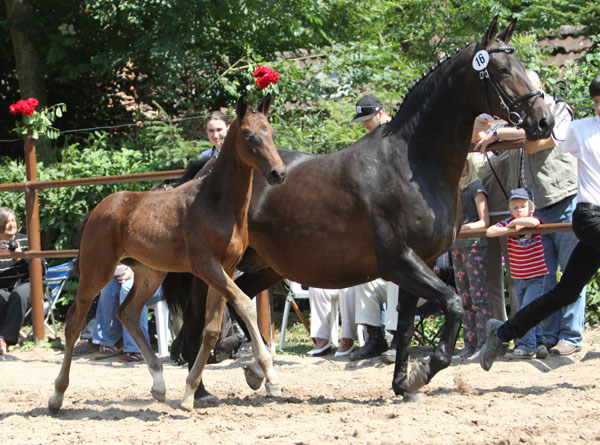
(276, 176)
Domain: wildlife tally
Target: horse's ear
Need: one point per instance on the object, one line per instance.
(506, 35)
(263, 107)
(242, 105)
(490, 34)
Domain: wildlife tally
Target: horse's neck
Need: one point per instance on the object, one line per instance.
(437, 127)
(230, 181)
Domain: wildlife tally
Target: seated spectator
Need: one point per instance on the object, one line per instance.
(15, 291)
(108, 330)
(320, 310)
(527, 264)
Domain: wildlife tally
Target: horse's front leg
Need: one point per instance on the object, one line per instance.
(413, 276)
(215, 305)
(145, 284)
(263, 367)
(407, 305)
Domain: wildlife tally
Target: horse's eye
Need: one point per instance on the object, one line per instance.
(503, 70)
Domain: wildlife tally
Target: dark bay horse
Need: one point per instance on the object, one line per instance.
(199, 228)
(387, 205)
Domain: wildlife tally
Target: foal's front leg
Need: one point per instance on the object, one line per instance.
(215, 305)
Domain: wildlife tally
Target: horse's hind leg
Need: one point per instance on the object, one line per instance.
(146, 282)
(74, 324)
(215, 305)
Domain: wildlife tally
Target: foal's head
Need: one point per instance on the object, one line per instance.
(507, 90)
(255, 143)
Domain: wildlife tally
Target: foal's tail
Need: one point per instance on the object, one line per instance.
(79, 235)
(177, 290)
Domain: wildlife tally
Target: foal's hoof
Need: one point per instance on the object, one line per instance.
(414, 397)
(54, 403)
(273, 389)
(187, 404)
(254, 376)
(158, 395)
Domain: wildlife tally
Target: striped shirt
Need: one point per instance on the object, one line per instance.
(526, 254)
(12, 270)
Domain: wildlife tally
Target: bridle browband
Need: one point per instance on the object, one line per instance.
(507, 104)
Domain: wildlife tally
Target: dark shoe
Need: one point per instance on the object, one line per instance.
(541, 352)
(130, 357)
(320, 351)
(389, 356)
(492, 346)
(374, 346)
(106, 352)
(85, 347)
(519, 354)
(564, 348)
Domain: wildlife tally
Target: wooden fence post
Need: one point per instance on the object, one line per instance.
(33, 236)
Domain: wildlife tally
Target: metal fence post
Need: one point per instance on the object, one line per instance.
(33, 236)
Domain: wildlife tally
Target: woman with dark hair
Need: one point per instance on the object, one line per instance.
(15, 292)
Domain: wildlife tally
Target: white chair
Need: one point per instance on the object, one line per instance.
(161, 315)
(296, 292)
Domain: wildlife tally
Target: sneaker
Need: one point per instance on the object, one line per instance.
(475, 357)
(541, 352)
(389, 356)
(492, 346)
(464, 354)
(564, 348)
(519, 354)
(85, 347)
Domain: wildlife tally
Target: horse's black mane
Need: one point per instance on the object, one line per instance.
(426, 83)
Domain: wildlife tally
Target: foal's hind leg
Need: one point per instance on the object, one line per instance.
(88, 289)
(146, 282)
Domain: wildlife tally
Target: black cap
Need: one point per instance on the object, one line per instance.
(366, 108)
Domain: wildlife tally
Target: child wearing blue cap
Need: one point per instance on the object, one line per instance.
(527, 265)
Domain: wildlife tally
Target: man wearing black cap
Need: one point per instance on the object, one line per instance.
(369, 111)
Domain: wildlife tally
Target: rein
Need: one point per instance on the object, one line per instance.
(508, 104)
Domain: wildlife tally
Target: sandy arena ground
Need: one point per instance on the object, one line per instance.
(325, 400)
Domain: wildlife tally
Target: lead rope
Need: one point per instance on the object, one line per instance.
(496, 176)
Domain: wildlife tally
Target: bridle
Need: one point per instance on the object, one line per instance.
(507, 104)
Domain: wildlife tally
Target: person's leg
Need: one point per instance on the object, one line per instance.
(552, 323)
(479, 294)
(128, 341)
(108, 329)
(461, 278)
(16, 306)
(347, 307)
(369, 297)
(529, 290)
(494, 273)
(320, 308)
(572, 317)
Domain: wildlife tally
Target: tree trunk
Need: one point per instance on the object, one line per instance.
(27, 61)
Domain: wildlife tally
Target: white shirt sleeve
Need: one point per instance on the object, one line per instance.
(570, 144)
(563, 116)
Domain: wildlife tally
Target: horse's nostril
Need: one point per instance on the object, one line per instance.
(277, 176)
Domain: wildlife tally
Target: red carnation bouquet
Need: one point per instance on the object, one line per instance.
(36, 123)
(265, 76)
(24, 107)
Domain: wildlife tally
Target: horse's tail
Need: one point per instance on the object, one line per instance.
(177, 290)
(82, 224)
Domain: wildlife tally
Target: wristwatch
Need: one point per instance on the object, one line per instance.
(496, 136)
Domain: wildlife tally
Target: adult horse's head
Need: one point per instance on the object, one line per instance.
(257, 148)
(506, 89)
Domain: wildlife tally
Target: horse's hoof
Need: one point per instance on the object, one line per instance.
(273, 389)
(253, 378)
(414, 397)
(416, 380)
(158, 395)
(187, 404)
(54, 403)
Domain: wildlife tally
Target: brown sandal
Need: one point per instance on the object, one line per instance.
(131, 357)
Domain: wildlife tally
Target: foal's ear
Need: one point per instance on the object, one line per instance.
(490, 34)
(263, 107)
(242, 106)
(506, 35)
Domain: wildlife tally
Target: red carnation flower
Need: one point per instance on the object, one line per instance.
(26, 108)
(265, 76)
